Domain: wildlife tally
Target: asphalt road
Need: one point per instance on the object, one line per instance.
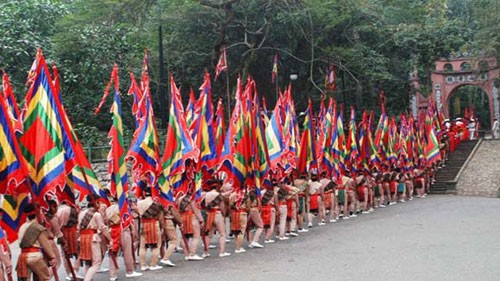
(436, 238)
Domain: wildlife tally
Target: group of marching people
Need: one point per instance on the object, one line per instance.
(144, 231)
(284, 209)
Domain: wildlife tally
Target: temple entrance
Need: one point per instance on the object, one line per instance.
(467, 100)
(461, 82)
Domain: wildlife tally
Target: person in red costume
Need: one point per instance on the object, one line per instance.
(453, 139)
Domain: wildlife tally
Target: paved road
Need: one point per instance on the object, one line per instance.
(437, 238)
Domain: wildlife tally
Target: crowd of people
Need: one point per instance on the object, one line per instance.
(288, 209)
(145, 231)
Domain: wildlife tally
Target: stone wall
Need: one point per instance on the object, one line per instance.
(481, 176)
(101, 171)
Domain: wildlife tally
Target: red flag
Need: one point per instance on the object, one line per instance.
(331, 78)
(222, 64)
(11, 104)
(274, 74)
(32, 73)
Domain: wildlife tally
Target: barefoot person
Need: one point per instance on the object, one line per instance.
(90, 224)
(215, 209)
(151, 215)
(268, 213)
(254, 218)
(192, 222)
(122, 240)
(172, 217)
(34, 239)
(239, 219)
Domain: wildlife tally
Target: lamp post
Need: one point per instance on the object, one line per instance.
(293, 77)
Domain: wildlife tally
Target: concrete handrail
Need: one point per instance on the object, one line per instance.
(466, 163)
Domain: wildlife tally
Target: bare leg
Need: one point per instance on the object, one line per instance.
(270, 230)
(257, 221)
(282, 221)
(321, 210)
(196, 237)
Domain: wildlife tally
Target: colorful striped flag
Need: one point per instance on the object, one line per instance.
(13, 216)
(352, 152)
(364, 142)
(307, 156)
(320, 134)
(220, 128)
(203, 134)
(375, 160)
(290, 131)
(274, 138)
(393, 139)
(13, 175)
(116, 157)
(237, 147)
(144, 148)
(338, 141)
(179, 149)
(327, 162)
(50, 160)
(13, 171)
(432, 154)
(259, 151)
(137, 95)
(191, 113)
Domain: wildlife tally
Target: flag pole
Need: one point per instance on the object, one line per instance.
(228, 97)
(277, 89)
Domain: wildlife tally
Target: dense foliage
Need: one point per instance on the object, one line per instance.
(374, 44)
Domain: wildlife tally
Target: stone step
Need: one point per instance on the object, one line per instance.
(443, 187)
(445, 176)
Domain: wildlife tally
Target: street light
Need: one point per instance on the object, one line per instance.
(293, 76)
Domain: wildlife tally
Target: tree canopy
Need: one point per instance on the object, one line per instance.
(374, 44)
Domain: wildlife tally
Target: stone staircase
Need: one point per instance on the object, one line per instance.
(447, 177)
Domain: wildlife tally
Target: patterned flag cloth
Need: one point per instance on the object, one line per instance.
(13, 174)
(432, 154)
(352, 154)
(13, 216)
(235, 157)
(338, 141)
(327, 161)
(144, 149)
(181, 149)
(274, 138)
(259, 150)
(203, 133)
(116, 157)
(222, 64)
(13, 171)
(13, 108)
(307, 159)
(220, 128)
(291, 132)
(48, 161)
(191, 111)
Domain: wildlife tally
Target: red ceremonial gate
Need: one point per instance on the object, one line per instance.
(451, 74)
